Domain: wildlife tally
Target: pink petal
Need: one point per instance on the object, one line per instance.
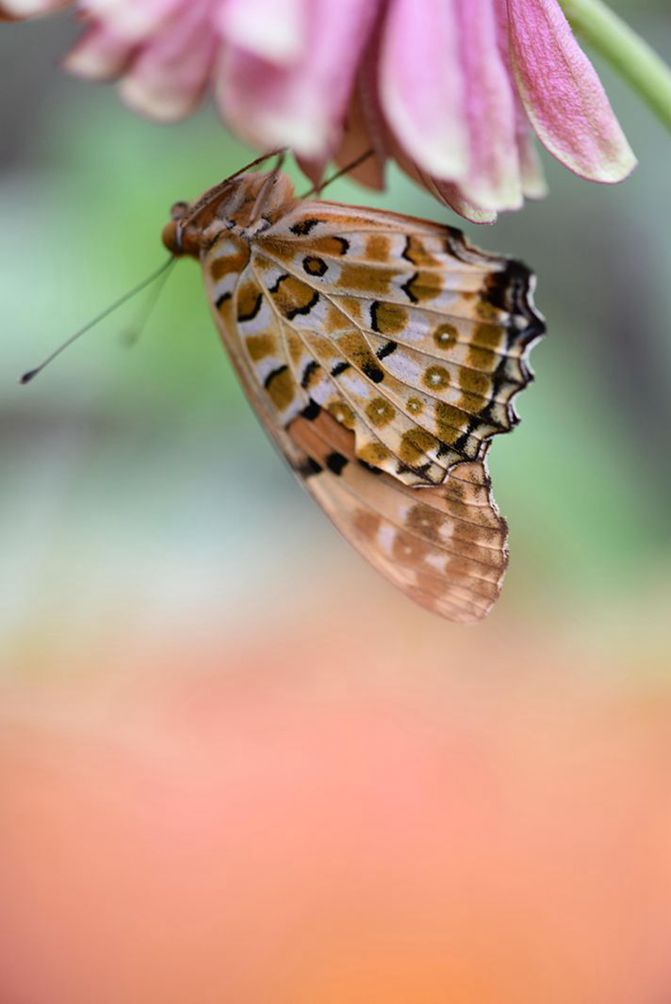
(271, 29)
(421, 84)
(563, 95)
(99, 55)
(369, 120)
(29, 8)
(532, 176)
(135, 19)
(364, 132)
(534, 185)
(493, 180)
(172, 73)
(302, 105)
(454, 196)
(447, 192)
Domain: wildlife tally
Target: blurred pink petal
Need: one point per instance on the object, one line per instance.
(454, 196)
(99, 55)
(448, 88)
(274, 31)
(422, 87)
(303, 105)
(445, 191)
(30, 8)
(563, 95)
(171, 75)
(141, 18)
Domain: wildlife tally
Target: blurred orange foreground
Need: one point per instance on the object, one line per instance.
(230, 822)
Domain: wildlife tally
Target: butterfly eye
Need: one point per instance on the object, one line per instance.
(173, 237)
(179, 210)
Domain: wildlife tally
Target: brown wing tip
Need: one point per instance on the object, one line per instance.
(512, 289)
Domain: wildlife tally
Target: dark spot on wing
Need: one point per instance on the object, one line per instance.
(308, 372)
(407, 287)
(304, 227)
(373, 372)
(253, 311)
(304, 309)
(314, 266)
(309, 468)
(273, 375)
(311, 411)
(340, 368)
(335, 462)
(276, 285)
(386, 350)
(370, 468)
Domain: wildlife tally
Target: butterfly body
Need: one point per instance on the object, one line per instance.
(381, 353)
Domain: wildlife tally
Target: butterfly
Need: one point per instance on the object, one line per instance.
(381, 353)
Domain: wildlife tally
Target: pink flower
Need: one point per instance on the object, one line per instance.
(452, 89)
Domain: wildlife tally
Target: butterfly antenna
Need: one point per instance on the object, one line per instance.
(213, 193)
(132, 335)
(269, 182)
(334, 177)
(165, 267)
(280, 153)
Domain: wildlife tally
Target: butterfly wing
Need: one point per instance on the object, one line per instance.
(382, 353)
(411, 338)
(445, 546)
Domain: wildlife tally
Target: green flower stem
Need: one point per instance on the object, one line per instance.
(627, 52)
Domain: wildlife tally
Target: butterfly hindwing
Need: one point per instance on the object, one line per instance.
(445, 547)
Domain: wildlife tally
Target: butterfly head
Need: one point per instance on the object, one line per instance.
(244, 204)
(180, 236)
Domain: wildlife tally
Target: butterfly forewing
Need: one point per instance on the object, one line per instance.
(382, 354)
(422, 338)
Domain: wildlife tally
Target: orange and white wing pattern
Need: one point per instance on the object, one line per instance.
(408, 336)
(382, 354)
(444, 546)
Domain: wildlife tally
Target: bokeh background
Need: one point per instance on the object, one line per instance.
(236, 766)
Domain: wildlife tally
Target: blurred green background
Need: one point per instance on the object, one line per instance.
(139, 494)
